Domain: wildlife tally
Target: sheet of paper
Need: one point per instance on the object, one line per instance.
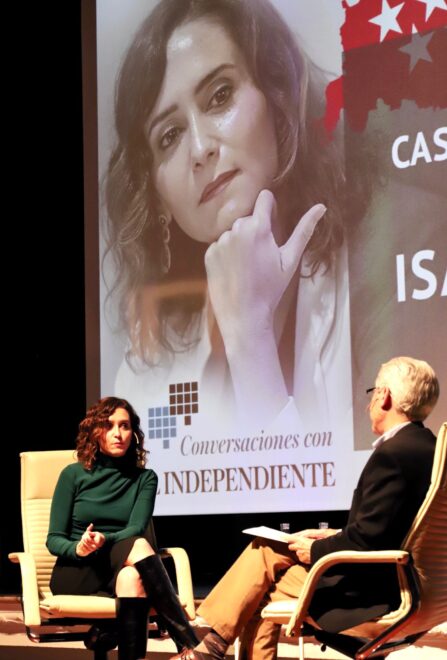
(269, 533)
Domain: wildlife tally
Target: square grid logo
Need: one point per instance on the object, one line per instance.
(184, 401)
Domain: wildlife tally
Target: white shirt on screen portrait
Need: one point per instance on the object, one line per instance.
(322, 392)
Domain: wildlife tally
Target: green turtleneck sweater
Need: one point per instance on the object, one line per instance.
(118, 501)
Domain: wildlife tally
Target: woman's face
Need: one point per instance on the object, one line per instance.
(118, 434)
(211, 133)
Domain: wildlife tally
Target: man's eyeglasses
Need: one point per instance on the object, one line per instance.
(370, 389)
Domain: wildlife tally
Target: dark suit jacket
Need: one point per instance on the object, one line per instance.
(390, 491)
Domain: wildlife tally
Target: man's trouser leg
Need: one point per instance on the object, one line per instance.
(259, 639)
(237, 596)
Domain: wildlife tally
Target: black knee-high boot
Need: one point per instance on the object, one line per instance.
(131, 618)
(162, 597)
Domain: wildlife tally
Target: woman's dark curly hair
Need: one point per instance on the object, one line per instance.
(95, 425)
(311, 167)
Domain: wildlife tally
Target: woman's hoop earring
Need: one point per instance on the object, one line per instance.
(165, 235)
(137, 439)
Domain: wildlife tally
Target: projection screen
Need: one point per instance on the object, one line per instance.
(245, 349)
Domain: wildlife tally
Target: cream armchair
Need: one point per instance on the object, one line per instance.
(422, 571)
(39, 473)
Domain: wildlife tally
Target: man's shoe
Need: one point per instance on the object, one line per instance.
(191, 654)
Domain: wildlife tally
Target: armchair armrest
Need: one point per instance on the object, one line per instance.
(326, 562)
(184, 579)
(30, 592)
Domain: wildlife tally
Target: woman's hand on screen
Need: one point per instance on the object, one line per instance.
(248, 272)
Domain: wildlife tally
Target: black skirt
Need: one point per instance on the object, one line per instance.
(94, 575)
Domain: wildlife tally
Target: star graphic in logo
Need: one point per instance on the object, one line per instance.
(417, 49)
(387, 20)
(431, 5)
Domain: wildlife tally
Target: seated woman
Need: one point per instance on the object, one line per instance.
(100, 511)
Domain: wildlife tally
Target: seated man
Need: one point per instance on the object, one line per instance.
(389, 493)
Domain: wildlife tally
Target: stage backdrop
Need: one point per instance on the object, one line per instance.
(250, 383)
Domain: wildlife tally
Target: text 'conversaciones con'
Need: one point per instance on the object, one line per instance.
(258, 443)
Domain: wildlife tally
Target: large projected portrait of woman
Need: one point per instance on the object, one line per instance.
(224, 222)
(225, 305)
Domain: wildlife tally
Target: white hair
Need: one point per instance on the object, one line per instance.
(413, 385)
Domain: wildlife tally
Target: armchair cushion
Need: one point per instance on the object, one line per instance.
(81, 607)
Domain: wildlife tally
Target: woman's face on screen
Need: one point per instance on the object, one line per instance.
(211, 133)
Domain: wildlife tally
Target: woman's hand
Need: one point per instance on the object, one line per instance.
(90, 542)
(248, 274)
